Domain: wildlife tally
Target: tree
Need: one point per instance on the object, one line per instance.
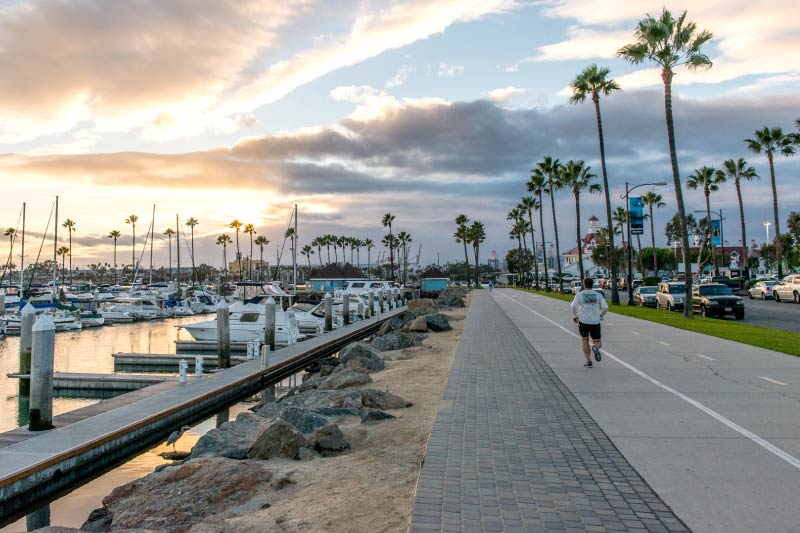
(307, 251)
(672, 229)
(653, 200)
(793, 225)
(530, 204)
(601, 254)
(462, 236)
(387, 220)
(739, 170)
(708, 179)
(70, 225)
(369, 244)
(519, 260)
(115, 234)
(11, 233)
(551, 168)
(261, 241)
(250, 229)
(537, 185)
(224, 240)
(575, 176)
(660, 256)
(477, 234)
(771, 141)
(63, 252)
(404, 239)
(594, 81)
(132, 219)
(169, 232)
(671, 43)
(517, 231)
(192, 222)
(318, 243)
(236, 225)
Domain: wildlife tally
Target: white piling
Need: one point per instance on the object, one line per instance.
(371, 306)
(198, 366)
(381, 301)
(41, 410)
(27, 318)
(360, 309)
(223, 335)
(328, 312)
(346, 308)
(268, 395)
(183, 366)
(270, 310)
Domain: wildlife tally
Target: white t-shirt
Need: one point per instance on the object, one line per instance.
(589, 306)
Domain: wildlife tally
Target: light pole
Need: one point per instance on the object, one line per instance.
(711, 233)
(544, 265)
(626, 197)
(767, 225)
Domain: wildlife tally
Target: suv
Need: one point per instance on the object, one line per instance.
(670, 295)
(716, 299)
(787, 289)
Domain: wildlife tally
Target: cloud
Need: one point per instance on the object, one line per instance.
(505, 94)
(400, 77)
(448, 71)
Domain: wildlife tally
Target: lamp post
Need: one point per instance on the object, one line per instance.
(721, 233)
(626, 197)
(544, 266)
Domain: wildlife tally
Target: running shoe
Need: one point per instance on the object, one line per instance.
(597, 355)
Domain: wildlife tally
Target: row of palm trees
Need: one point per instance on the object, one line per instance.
(470, 234)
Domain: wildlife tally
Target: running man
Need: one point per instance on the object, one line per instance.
(588, 309)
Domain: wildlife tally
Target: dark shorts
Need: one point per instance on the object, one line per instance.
(587, 330)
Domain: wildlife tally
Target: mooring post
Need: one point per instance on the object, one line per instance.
(27, 318)
(268, 395)
(371, 307)
(44, 342)
(2, 302)
(198, 366)
(381, 299)
(360, 309)
(328, 312)
(270, 311)
(223, 335)
(183, 367)
(223, 416)
(38, 519)
(346, 308)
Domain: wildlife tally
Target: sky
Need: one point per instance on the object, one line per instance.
(239, 109)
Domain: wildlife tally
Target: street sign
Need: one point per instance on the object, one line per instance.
(636, 210)
(716, 238)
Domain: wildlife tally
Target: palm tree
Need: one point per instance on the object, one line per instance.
(462, 235)
(369, 244)
(620, 218)
(594, 81)
(169, 232)
(530, 204)
(11, 233)
(653, 200)
(351, 242)
(236, 225)
(551, 169)
(387, 220)
(708, 179)
(307, 251)
(575, 176)
(477, 234)
(318, 242)
(671, 43)
(261, 241)
(739, 170)
(771, 141)
(115, 234)
(250, 229)
(388, 242)
(359, 243)
(192, 222)
(342, 241)
(63, 252)
(132, 219)
(70, 225)
(536, 185)
(224, 240)
(404, 238)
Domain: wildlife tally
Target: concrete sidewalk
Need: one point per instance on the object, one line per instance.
(711, 425)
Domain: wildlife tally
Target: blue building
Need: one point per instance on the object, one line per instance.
(333, 277)
(433, 279)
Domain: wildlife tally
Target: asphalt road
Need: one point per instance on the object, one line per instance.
(767, 313)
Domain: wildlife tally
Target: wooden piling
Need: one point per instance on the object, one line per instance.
(328, 312)
(41, 410)
(223, 335)
(270, 310)
(27, 318)
(346, 308)
(268, 394)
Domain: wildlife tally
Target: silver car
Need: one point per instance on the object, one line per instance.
(762, 289)
(670, 295)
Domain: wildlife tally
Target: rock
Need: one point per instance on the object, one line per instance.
(378, 399)
(283, 481)
(281, 439)
(338, 411)
(330, 439)
(99, 520)
(311, 383)
(316, 399)
(269, 409)
(438, 322)
(418, 325)
(303, 419)
(326, 370)
(232, 439)
(422, 306)
(345, 379)
(451, 298)
(397, 341)
(177, 498)
(361, 356)
(175, 456)
(307, 454)
(372, 415)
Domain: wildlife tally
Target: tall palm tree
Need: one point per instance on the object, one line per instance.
(224, 240)
(530, 204)
(404, 238)
(462, 236)
(169, 232)
(369, 244)
(318, 243)
(739, 170)
(771, 141)
(351, 242)
(236, 225)
(537, 185)
(387, 220)
(671, 43)
(575, 176)
(653, 200)
(11, 233)
(358, 243)
(594, 81)
(708, 179)
(192, 222)
(551, 169)
(132, 219)
(342, 241)
(307, 251)
(250, 229)
(63, 252)
(388, 242)
(620, 218)
(115, 234)
(518, 230)
(261, 241)
(70, 225)
(332, 242)
(477, 234)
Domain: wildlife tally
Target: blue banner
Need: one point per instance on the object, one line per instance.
(636, 213)
(716, 238)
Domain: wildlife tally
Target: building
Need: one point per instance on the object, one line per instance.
(493, 261)
(588, 244)
(334, 276)
(433, 279)
(248, 265)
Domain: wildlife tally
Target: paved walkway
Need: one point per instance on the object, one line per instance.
(512, 449)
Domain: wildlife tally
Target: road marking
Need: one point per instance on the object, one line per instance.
(691, 401)
(664, 343)
(706, 357)
(775, 381)
(634, 333)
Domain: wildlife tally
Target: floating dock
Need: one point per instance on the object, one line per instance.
(105, 382)
(168, 362)
(187, 346)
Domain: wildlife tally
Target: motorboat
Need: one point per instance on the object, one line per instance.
(62, 319)
(247, 324)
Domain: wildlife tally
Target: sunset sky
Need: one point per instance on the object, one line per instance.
(226, 109)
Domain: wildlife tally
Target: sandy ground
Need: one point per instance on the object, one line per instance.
(370, 488)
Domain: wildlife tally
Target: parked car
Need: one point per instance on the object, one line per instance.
(670, 295)
(645, 296)
(762, 289)
(575, 287)
(787, 289)
(716, 299)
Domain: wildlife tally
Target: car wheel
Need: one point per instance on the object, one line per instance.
(796, 297)
(750, 294)
(763, 296)
(776, 297)
(739, 315)
(669, 306)
(703, 311)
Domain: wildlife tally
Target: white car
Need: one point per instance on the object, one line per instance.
(787, 289)
(670, 295)
(762, 289)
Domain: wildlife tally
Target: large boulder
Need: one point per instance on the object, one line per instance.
(345, 379)
(451, 298)
(329, 439)
(231, 439)
(361, 357)
(316, 399)
(281, 439)
(418, 325)
(438, 322)
(422, 306)
(378, 399)
(373, 415)
(303, 419)
(397, 341)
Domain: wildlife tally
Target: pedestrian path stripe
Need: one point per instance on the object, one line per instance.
(775, 381)
(634, 333)
(664, 343)
(706, 357)
(691, 401)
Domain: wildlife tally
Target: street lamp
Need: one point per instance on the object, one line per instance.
(767, 225)
(628, 190)
(721, 233)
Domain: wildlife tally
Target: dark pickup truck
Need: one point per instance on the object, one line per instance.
(735, 284)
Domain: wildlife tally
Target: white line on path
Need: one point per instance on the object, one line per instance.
(664, 343)
(691, 401)
(706, 357)
(634, 333)
(775, 381)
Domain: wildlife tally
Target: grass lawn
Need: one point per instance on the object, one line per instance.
(771, 339)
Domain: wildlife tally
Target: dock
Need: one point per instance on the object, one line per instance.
(167, 362)
(69, 381)
(35, 467)
(191, 346)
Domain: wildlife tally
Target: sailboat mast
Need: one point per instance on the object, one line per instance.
(178, 247)
(152, 231)
(294, 254)
(22, 260)
(55, 257)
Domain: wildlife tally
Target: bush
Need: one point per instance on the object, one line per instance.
(652, 280)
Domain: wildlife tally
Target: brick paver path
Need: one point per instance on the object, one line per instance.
(513, 450)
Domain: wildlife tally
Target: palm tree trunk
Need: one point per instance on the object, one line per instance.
(115, 261)
(745, 267)
(524, 247)
(250, 260)
(666, 76)
(578, 234)
(261, 265)
(194, 272)
(533, 245)
(778, 251)
(239, 256)
(70, 255)
(475, 247)
(711, 233)
(369, 261)
(639, 247)
(653, 242)
(133, 250)
(466, 260)
(612, 258)
(544, 249)
(555, 230)
(169, 239)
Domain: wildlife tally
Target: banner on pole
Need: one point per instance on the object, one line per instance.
(716, 238)
(636, 210)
